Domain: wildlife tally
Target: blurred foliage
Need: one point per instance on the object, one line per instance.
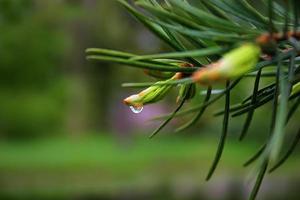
(167, 168)
(45, 83)
(31, 83)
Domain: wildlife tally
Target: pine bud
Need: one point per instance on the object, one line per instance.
(233, 64)
(152, 94)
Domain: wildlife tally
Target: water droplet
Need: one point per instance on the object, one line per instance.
(136, 109)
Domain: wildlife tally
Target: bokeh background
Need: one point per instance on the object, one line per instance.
(65, 134)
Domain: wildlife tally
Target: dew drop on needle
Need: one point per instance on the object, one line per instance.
(136, 109)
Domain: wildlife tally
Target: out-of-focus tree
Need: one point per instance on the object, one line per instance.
(32, 95)
(101, 23)
(46, 84)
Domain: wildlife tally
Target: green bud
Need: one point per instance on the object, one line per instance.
(150, 95)
(240, 61)
(233, 64)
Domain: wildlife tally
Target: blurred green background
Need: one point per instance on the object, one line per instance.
(65, 134)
